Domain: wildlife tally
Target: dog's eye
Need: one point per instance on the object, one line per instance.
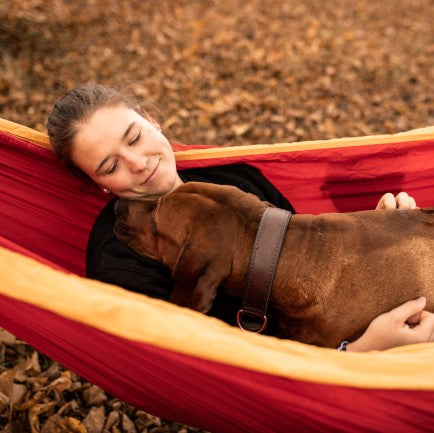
(123, 230)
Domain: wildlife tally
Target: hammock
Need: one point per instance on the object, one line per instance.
(179, 364)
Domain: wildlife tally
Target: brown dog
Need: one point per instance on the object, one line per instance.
(336, 272)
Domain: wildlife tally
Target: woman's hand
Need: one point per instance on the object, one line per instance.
(400, 201)
(407, 324)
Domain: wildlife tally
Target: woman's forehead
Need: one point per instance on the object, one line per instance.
(107, 123)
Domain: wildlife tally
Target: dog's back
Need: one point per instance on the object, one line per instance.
(342, 270)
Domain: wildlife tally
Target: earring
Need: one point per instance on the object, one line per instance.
(106, 190)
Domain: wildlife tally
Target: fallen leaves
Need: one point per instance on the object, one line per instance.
(58, 424)
(37, 395)
(221, 72)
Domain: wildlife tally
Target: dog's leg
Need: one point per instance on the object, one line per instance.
(206, 289)
(197, 278)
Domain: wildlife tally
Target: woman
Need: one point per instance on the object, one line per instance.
(102, 134)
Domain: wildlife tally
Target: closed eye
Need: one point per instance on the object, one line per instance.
(112, 168)
(136, 138)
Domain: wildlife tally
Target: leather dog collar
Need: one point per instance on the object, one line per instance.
(266, 250)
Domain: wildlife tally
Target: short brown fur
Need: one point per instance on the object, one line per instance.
(335, 274)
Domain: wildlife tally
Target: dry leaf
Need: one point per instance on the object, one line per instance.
(5, 336)
(6, 384)
(35, 411)
(18, 393)
(240, 129)
(94, 396)
(32, 367)
(112, 419)
(127, 424)
(53, 371)
(62, 383)
(76, 426)
(57, 424)
(26, 405)
(95, 419)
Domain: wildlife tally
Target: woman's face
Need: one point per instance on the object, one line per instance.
(125, 153)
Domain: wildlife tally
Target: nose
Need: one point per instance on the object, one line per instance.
(135, 162)
(120, 207)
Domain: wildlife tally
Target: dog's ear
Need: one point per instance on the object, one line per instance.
(196, 283)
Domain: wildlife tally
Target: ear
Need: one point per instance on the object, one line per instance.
(197, 279)
(104, 189)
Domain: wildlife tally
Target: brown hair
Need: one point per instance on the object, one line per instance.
(75, 107)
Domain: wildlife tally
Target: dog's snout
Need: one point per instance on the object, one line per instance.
(115, 207)
(122, 228)
(120, 208)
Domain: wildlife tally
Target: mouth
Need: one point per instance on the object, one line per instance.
(153, 173)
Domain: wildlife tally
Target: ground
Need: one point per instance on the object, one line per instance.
(214, 72)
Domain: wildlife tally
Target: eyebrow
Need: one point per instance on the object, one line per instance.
(127, 131)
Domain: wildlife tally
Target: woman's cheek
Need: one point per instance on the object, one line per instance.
(120, 182)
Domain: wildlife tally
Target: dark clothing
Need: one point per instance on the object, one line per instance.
(111, 261)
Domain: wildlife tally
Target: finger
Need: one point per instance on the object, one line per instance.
(426, 326)
(431, 337)
(425, 315)
(387, 201)
(402, 200)
(414, 319)
(409, 309)
(418, 317)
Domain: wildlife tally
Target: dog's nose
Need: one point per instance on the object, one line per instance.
(120, 207)
(115, 207)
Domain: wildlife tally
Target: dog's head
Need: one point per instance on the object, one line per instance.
(199, 231)
(135, 226)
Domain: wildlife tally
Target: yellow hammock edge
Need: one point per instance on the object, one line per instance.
(139, 318)
(419, 134)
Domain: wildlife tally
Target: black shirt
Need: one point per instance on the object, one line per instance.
(111, 261)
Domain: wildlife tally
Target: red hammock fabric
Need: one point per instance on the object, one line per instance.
(49, 212)
(214, 396)
(46, 214)
(44, 209)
